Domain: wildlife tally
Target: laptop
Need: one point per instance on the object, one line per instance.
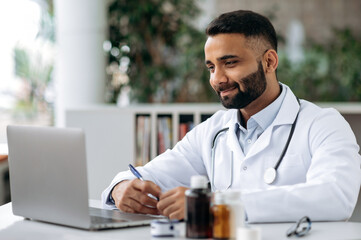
(48, 180)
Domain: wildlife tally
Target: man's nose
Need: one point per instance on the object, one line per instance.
(218, 77)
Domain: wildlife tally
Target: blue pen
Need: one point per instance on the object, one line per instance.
(139, 176)
(135, 172)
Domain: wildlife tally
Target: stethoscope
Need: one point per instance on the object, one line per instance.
(271, 173)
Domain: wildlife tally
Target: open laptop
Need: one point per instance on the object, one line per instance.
(48, 180)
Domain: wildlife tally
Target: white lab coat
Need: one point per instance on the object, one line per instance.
(319, 176)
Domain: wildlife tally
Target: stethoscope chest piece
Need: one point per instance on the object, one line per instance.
(270, 175)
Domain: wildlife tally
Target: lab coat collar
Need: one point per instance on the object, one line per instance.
(289, 109)
(286, 116)
(233, 142)
(232, 139)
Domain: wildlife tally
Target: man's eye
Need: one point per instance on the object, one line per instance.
(231, 62)
(210, 68)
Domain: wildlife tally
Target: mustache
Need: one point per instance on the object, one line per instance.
(225, 86)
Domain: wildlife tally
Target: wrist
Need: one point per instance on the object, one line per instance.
(111, 196)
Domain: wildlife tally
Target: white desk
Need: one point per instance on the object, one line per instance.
(13, 227)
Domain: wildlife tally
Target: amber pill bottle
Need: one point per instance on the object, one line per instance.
(221, 217)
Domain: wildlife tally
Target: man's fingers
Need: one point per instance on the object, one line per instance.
(136, 207)
(177, 214)
(140, 208)
(169, 193)
(147, 187)
(171, 203)
(142, 198)
(125, 208)
(169, 210)
(165, 202)
(132, 196)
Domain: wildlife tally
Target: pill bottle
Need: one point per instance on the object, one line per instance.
(198, 209)
(246, 233)
(234, 202)
(221, 217)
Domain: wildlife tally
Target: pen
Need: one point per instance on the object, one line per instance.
(135, 172)
(139, 176)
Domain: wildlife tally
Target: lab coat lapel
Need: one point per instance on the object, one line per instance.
(233, 143)
(285, 116)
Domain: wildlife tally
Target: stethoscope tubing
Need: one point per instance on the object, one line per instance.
(213, 150)
(287, 143)
(216, 136)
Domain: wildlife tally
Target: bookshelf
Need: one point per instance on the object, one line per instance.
(168, 124)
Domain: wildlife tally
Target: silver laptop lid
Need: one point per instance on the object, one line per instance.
(48, 175)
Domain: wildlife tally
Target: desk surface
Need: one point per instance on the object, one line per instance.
(14, 227)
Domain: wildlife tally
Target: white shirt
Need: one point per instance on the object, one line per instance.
(319, 176)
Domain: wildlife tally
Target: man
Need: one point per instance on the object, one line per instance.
(288, 157)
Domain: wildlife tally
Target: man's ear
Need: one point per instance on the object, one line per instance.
(271, 60)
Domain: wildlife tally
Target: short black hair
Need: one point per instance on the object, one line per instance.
(248, 23)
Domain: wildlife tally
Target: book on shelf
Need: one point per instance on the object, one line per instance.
(164, 133)
(143, 129)
(184, 127)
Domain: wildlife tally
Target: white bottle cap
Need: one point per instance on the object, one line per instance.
(199, 181)
(244, 233)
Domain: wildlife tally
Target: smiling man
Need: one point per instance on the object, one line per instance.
(288, 157)
(239, 78)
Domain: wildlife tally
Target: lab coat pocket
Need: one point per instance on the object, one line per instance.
(223, 169)
(292, 169)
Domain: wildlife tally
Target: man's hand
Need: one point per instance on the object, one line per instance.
(171, 203)
(132, 196)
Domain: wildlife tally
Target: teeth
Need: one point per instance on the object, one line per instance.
(225, 90)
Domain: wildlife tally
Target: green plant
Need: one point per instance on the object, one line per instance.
(329, 72)
(165, 51)
(34, 66)
(36, 72)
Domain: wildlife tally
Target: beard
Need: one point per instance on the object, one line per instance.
(254, 85)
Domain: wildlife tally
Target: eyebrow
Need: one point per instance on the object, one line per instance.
(225, 57)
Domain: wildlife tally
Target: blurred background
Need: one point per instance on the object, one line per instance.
(59, 54)
(152, 51)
